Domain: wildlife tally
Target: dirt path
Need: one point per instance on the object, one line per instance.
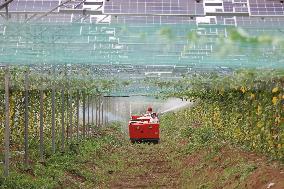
(143, 166)
(167, 166)
(111, 161)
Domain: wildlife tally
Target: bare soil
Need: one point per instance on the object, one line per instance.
(165, 166)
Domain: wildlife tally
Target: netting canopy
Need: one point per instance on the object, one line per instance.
(139, 44)
(181, 34)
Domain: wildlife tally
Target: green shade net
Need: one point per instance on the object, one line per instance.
(201, 47)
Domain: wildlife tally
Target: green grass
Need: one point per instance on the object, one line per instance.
(217, 165)
(198, 157)
(76, 163)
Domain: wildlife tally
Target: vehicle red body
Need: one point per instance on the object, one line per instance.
(141, 130)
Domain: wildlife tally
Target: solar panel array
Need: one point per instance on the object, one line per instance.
(235, 6)
(32, 5)
(256, 22)
(266, 8)
(149, 11)
(167, 7)
(21, 10)
(153, 19)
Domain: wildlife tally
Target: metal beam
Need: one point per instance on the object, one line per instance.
(2, 16)
(5, 4)
(27, 12)
(93, 3)
(81, 18)
(79, 4)
(6, 12)
(152, 14)
(101, 20)
(34, 15)
(227, 14)
(81, 11)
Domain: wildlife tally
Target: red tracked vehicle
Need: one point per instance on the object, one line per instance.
(144, 128)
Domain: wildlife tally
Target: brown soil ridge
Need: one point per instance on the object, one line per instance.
(163, 166)
(148, 167)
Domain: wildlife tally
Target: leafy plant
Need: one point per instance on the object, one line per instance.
(245, 107)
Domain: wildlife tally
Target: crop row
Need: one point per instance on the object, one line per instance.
(246, 107)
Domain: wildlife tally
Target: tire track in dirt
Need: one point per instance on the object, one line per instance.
(146, 166)
(170, 164)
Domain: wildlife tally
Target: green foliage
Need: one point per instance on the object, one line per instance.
(74, 87)
(201, 137)
(210, 154)
(245, 108)
(52, 172)
(242, 169)
(240, 35)
(167, 33)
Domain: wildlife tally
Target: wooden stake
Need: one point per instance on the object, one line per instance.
(53, 119)
(62, 122)
(7, 124)
(26, 130)
(41, 148)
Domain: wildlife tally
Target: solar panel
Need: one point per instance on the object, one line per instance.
(256, 22)
(32, 5)
(173, 7)
(153, 20)
(266, 8)
(233, 6)
(226, 8)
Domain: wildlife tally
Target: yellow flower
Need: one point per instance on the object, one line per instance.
(274, 100)
(243, 89)
(259, 124)
(282, 96)
(252, 96)
(275, 90)
(277, 119)
(258, 110)
(279, 146)
(222, 91)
